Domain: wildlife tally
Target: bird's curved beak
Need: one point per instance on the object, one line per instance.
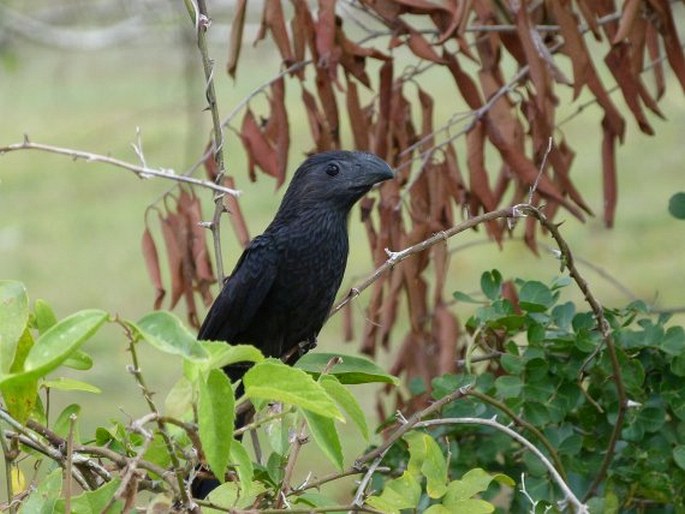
(374, 169)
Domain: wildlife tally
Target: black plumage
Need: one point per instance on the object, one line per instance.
(284, 284)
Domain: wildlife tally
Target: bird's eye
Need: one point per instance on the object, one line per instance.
(332, 169)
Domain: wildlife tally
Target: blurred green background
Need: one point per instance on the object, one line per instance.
(71, 230)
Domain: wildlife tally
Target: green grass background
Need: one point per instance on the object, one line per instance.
(71, 230)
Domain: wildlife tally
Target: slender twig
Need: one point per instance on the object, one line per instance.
(134, 369)
(410, 423)
(68, 464)
(9, 459)
(604, 329)
(541, 171)
(361, 490)
(523, 424)
(397, 257)
(569, 496)
(141, 171)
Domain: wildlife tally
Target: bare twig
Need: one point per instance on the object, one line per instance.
(569, 496)
(134, 369)
(68, 464)
(141, 171)
(361, 490)
(9, 459)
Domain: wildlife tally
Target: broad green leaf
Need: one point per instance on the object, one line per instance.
(43, 499)
(20, 398)
(70, 384)
(326, 437)
(225, 496)
(401, 493)
(473, 482)
(438, 508)
(45, 317)
(222, 354)
(463, 297)
(352, 369)
(215, 419)
(14, 316)
(508, 386)
(347, 401)
(23, 348)
(273, 380)
(63, 422)
(57, 344)
(535, 296)
(491, 284)
(179, 401)
(679, 455)
(79, 360)
(157, 452)
(168, 334)
(471, 506)
(243, 466)
(94, 502)
(279, 430)
(426, 459)
(676, 206)
(673, 342)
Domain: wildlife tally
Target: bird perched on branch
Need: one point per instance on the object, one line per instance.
(284, 284)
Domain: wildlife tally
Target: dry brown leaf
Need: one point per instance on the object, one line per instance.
(446, 334)
(574, 44)
(380, 147)
(422, 48)
(631, 9)
(324, 88)
(467, 87)
(328, 52)
(319, 128)
(669, 32)
(655, 56)
(152, 264)
(358, 124)
(236, 37)
(277, 129)
(236, 214)
(273, 19)
(174, 251)
(257, 146)
(609, 174)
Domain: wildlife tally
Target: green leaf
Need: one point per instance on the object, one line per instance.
(222, 354)
(43, 499)
(679, 456)
(491, 284)
(347, 401)
(401, 493)
(508, 386)
(93, 502)
(352, 369)
(673, 342)
(79, 360)
(63, 422)
(676, 206)
(168, 334)
(535, 296)
(14, 316)
(273, 380)
(326, 436)
(472, 506)
(20, 398)
(473, 482)
(463, 297)
(243, 466)
(57, 344)
(438, 508)
(45, 317)
(215, 420)
(426, 459)
(70, 384)
(179, 400)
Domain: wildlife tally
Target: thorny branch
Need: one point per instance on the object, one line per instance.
(569, 496)
(142, 172)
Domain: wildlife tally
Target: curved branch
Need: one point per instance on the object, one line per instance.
(569, 496)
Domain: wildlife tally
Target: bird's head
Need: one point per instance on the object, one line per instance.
(335, 180)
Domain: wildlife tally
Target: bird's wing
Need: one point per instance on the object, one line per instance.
(243, 293)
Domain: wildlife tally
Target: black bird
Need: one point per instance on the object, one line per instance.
(285, 282)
